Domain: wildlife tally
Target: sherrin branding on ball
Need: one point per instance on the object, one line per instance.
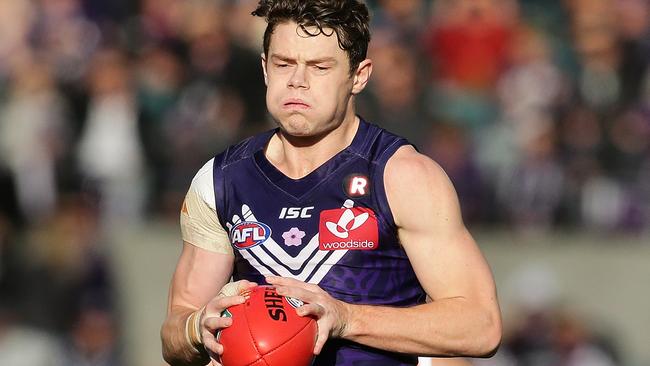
(267, 331)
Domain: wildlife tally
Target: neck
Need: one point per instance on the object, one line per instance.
(298, 156)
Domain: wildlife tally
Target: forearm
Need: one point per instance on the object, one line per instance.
(177, 350)
(447, 327)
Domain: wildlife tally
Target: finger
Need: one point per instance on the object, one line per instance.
(312, 309)
(219, 304)
(297, 292)
(286, 281)
(320, 340)
(276, 280)
(245, 285)
(214, 348)
(213, 324)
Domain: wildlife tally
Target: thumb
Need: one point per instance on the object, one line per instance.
(236, 288)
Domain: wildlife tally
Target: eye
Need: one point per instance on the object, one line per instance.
(281, 65)
(321, 68)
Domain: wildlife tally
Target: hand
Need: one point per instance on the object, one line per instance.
(211, 321)
(331, 314)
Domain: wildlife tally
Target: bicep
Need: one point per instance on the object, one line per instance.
(199, 276)
(444, 256)
(206, 262)
(453, 267)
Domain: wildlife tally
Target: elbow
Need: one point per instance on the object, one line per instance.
(490, 339)
(167, 354)
(490, 344)
(167, 357)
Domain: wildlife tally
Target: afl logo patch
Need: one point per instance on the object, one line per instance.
(248, 234)
(356, 185)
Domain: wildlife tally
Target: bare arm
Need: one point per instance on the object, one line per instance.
(463, 319)
(200, 290)
(199, 276)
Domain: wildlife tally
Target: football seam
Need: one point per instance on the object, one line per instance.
(273, 349)
(283, 344)
(252, 338)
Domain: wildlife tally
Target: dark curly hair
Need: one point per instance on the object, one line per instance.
(348, 18)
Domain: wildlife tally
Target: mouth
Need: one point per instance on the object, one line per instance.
(295, 104)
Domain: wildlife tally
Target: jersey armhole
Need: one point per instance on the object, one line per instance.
(379, 168)
(219, 178)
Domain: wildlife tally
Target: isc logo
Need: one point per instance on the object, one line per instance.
(248, 234)
(295, 212)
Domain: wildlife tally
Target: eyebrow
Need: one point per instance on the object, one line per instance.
(309, 62)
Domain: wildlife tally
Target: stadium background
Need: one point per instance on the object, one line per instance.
(538, 110)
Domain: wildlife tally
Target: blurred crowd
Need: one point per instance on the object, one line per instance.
(539, 111)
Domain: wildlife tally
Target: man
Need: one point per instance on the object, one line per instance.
(331, 210)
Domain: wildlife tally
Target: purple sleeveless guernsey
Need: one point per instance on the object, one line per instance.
(332, 227)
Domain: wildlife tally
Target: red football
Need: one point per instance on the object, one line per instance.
(266, 331)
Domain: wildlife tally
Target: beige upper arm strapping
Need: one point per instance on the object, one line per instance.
(200, 225)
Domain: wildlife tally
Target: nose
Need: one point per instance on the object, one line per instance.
(299, 78)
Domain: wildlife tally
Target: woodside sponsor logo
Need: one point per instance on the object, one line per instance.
(352, 228)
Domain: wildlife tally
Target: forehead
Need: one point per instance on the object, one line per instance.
(290, 40)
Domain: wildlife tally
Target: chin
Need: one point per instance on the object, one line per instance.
(297, 126)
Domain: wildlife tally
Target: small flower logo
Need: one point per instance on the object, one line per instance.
(293, 237)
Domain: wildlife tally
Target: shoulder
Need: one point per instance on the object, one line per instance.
(244, 149)
(203, 184)
(408, 167)
(380, 144)
(415, 183)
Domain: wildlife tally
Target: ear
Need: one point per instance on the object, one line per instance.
(266, 77)
(361, 76)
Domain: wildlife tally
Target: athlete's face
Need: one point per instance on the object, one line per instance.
(309, 86)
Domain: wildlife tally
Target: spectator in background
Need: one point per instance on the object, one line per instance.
(530, 193)
(60, 264)
(33, 137)
(110, 152)
(527, 179)
(226, 66)
(405, 18)
(160, 77)
(244, 32)
(214, 100)
(599, 54)
(576, 345)
(160, 21)
(24, 345)
(463, 77)
(93, 338)
(451, 147)
(633, 20)
(397, 101)
(65, 38)
(580, 141)
(16, 17)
